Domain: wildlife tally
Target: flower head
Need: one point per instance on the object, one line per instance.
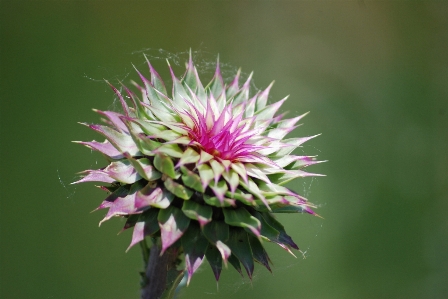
(203, 169)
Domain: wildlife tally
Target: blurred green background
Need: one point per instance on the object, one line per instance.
(373, 74)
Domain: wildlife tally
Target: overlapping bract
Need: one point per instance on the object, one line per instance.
(204, 169)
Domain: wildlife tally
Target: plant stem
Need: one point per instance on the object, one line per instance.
(161, 275)
(145, 251)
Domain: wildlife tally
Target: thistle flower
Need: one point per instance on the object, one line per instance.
(202, 170)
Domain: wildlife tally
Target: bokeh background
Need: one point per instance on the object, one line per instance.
(373, 74)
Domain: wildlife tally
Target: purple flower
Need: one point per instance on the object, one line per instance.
(203, 170)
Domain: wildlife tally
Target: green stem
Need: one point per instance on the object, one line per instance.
(145, 251)
(161, 276)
